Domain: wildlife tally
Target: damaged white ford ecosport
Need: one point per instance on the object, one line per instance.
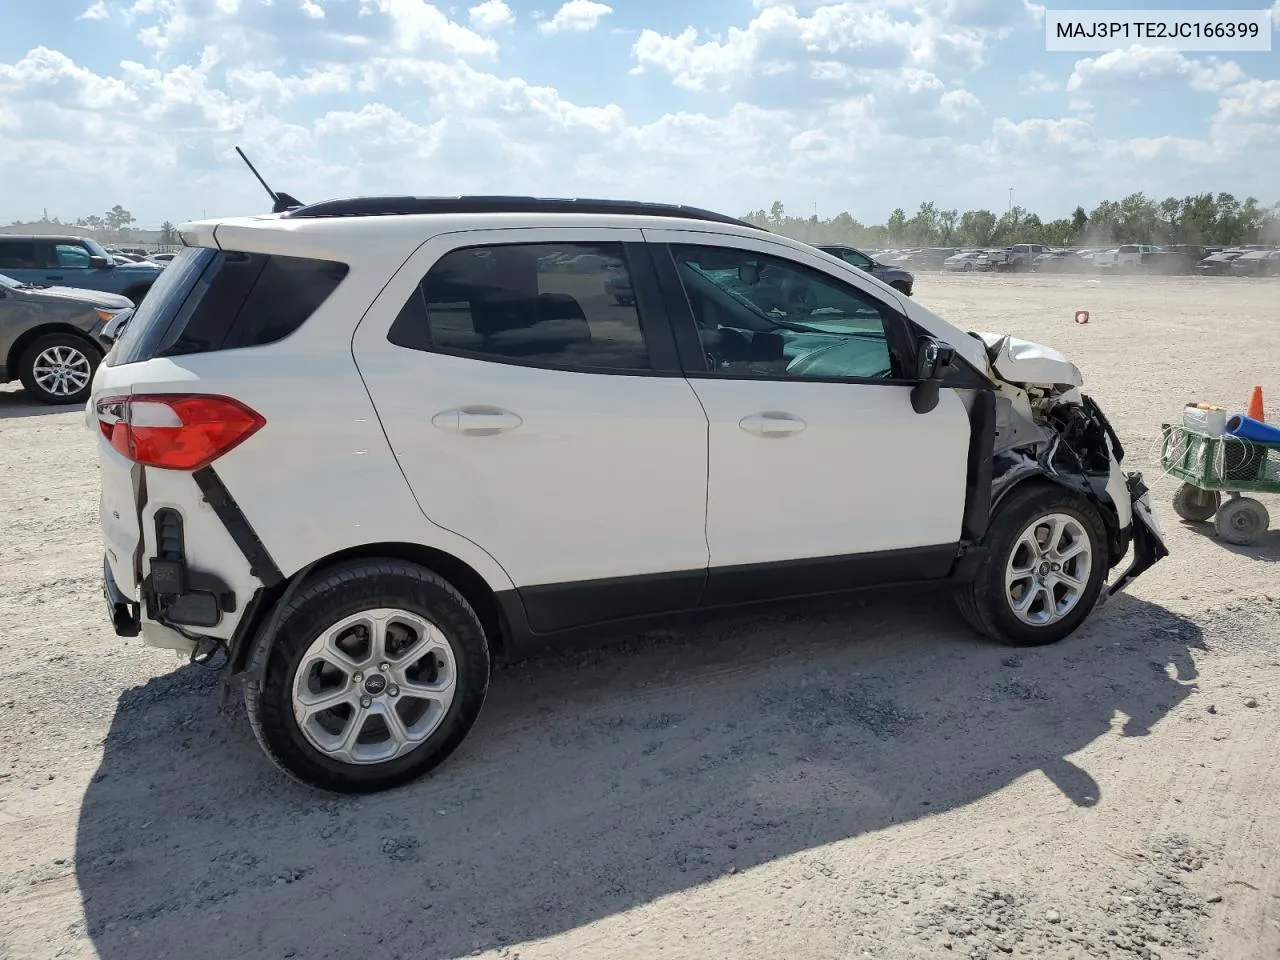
(362, 448)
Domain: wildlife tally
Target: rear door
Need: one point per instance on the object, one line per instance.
(18, 260)
(528, 384)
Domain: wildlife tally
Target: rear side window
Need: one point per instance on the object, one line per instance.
(18, 255)
(563, 305)
(208, 300)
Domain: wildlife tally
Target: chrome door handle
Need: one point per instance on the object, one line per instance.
(477, 421)
(772, 423)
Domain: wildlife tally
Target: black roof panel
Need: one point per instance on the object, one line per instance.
(403, 206)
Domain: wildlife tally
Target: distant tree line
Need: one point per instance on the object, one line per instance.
(1205, 218)
(116, 223)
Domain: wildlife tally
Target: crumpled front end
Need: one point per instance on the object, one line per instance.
(1046, 427)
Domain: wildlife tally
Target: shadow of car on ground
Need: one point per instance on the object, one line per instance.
(16, 404)
(599, 780)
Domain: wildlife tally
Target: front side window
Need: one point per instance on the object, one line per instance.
(564, 305)
(759, 315)
(70, 256)
(856, 259)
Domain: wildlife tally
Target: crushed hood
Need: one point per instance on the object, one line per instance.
(1025, 362)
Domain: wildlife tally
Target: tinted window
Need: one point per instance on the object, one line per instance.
(250, 299)
(215, 300)
(764, 316)
(71, 256)
(18, 255)
(555, 304)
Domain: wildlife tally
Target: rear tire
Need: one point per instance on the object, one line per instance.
(1055, 600)
(58, 368)
(349, 639)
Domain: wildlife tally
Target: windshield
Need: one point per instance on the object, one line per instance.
(95, 248)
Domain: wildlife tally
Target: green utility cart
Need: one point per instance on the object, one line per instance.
(1210, 466)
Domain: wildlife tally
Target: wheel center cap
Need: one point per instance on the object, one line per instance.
(1044, 569)
(375, 684)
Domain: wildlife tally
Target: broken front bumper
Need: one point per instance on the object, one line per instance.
(1148, 539)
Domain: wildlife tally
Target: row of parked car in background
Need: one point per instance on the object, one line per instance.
(59, 297)
(1249, 260)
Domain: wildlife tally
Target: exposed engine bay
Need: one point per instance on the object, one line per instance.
(1046, 426)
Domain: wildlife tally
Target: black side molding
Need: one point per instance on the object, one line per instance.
(228, 511)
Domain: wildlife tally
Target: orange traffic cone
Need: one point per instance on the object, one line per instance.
(1254, 411)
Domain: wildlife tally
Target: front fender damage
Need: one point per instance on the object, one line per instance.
(1055, 433)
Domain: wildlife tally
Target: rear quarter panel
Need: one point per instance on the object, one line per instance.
(320, 477)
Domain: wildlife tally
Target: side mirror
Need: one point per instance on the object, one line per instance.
(101, 263)
(933, 362)
(749, 274)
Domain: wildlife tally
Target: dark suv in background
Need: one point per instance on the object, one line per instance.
(73, 262)
(901, 280)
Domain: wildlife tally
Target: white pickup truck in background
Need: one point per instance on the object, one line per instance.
(1128, 256)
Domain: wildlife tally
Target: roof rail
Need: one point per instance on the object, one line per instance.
(403, 206)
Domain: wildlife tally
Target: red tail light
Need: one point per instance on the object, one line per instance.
(176, 431)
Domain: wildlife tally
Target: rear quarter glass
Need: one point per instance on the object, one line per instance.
(141, 337)
(225, 299)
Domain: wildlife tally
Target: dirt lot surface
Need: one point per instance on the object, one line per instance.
(849, 779)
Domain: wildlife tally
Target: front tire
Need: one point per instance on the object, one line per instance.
(58, 368)
(377, 672)
(1045, 568)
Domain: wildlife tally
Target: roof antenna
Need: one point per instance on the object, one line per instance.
(280, 202)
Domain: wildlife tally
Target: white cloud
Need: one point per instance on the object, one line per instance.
(864, 35)
(490, 15)
(867, 106)
(956, 105)
(1252, 100)
(333, 79)
(578, 15)
(1136, 63)
(1036, 82)
(259, 31)
(419, 24)
(95, 11)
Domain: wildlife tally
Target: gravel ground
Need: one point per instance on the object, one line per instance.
(846, 779)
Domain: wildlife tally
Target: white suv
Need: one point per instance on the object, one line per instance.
(363, 447)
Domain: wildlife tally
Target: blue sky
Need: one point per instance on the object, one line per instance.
(862, 105)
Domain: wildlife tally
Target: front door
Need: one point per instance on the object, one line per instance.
(542, 415)
(822, 476)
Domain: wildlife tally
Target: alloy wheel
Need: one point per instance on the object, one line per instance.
(1048, 569)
